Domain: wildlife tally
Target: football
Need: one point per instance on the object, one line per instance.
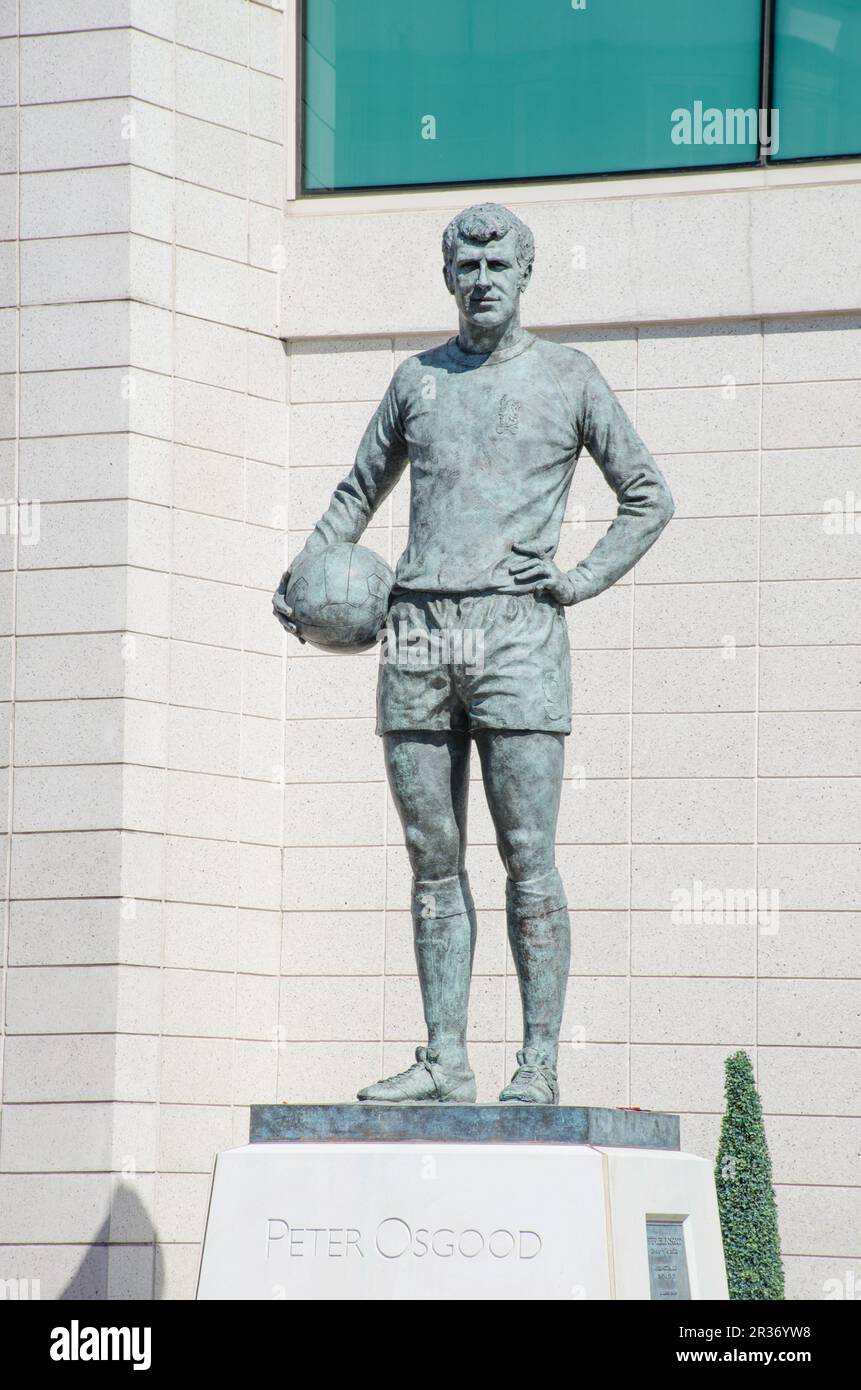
(340, 597)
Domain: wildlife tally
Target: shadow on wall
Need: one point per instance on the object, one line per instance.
(111, 1270)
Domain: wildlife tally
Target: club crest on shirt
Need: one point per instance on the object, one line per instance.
(508, 419)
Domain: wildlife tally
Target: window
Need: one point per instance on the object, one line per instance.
(817, 78)
(401, 93)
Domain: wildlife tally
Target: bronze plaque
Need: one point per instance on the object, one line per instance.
(668, 1266)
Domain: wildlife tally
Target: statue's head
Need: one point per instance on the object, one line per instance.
(487, 261)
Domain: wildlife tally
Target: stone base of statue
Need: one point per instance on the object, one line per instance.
(461, 1202)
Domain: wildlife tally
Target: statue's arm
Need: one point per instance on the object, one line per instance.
(380, 461)
(645, 501)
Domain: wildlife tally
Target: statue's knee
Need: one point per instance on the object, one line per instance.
(433, 853)
(526, 853)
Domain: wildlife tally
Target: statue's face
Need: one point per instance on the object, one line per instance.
(486, 279)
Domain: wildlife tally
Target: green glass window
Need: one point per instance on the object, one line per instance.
(407, 92)
(817, 78)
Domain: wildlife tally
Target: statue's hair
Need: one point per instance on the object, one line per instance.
(485, 222)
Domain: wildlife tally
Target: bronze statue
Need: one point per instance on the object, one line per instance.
(491, 424)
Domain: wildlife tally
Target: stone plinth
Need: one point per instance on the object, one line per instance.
(363, 1202)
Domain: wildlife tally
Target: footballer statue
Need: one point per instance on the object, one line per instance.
(491, 425)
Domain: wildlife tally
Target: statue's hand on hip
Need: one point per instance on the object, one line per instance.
(282, 609)
(541, 575)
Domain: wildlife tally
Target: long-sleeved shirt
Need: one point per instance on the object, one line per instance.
(492, 443)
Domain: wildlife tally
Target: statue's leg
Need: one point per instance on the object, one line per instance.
(523, 780)
(429, 779)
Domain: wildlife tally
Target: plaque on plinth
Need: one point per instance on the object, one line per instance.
(461, 1202)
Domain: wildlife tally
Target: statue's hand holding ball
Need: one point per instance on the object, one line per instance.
(282, 610)
(336, 598)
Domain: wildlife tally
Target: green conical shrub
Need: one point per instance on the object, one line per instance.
(748, 1213)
